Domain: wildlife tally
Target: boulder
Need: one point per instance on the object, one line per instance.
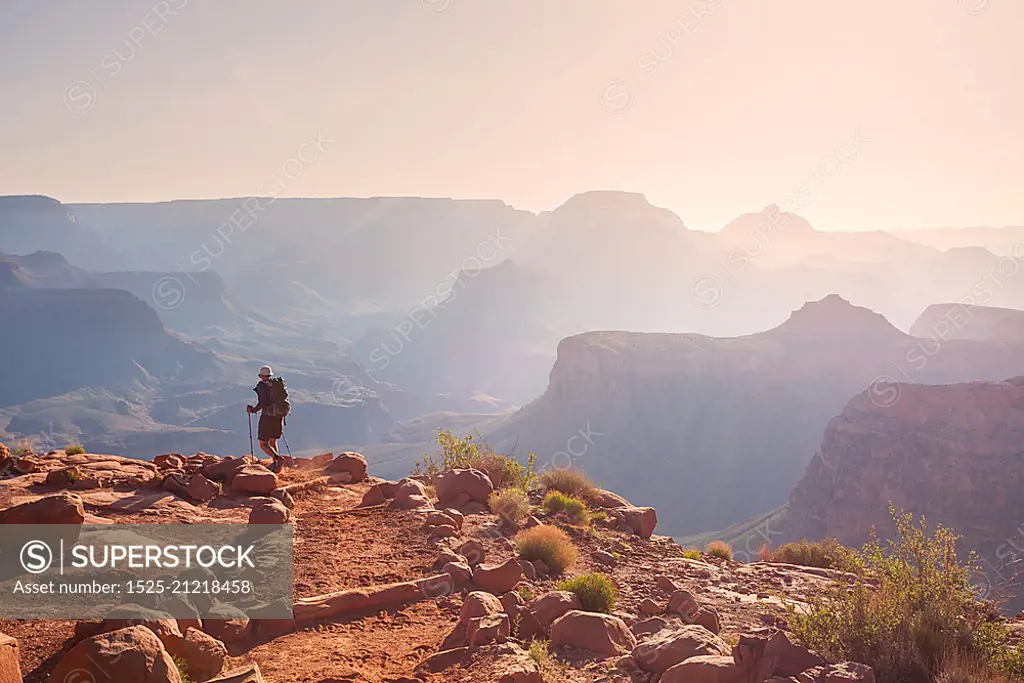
(270, 512)
(460, 572)
(669, 647)
(440, 518)
(490, 628)
(684, 604)
(708, 618)
(130, 654)
(847, 672)
(498, 578)
(607, 499)
(26, 464)
(478, 604)
(64, 477)
(473, 551)
(547, 608)
(254, 480)
(353, 463)
(649, 626)
(705, 669)
(169, 461)
(764, 656)
(651, 607)
(226, 469)
(63, 508)
(641, 520)
(410, 495)
(10, 669)
(512, 603)
(201, 489)
(593, 631)
(284, 497)
(226, 623)
(472, 483)
(203, 654)
(500, 663)
(604, 557)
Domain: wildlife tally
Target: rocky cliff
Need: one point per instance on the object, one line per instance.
(960, 321)
(954, 453)
(715, 431)
(58, 340)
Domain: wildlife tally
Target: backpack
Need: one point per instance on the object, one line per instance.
(279, 406)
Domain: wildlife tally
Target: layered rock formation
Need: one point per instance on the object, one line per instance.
(952, 453)
(960, 321)
(716, 431)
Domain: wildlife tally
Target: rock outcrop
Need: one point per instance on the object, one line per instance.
(951, 453)
(715, 431)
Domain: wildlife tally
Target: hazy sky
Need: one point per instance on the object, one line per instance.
(711, 108)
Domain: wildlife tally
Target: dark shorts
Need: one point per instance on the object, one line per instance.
(270, 427)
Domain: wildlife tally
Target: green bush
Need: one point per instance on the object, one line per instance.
(548, 544)
(511, 505)
(74, 449)
(596, 592)
(571, 482)
(911, 615)
(182, 666)
(719, 549)
(503, 470)
(576, 510)
(692, 554)
(827, 554)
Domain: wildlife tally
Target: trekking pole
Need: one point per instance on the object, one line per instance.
(291, 460)
(250, 434)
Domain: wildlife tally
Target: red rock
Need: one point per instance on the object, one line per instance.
(649, 607)
(640, 520)
(410, 495)
(203, 654)
(169, 461)
(63, 508)
(499, 578)
(705, 669)
(600, 633)
(473, 551)
(708, 618)
(353, 463)
(130, 654)
(669, 647)
(478, 604)
(201, 489)
(10, 669)
(491, 628)
(547, 608)
(472, 483)
(255, 479)
(460, 572)
(684, 604)
(847, 672)
(607, 499)
(270, 512)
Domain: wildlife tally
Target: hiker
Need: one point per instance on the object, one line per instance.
(272, 404)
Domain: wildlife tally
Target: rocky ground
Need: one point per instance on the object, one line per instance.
(392, 585)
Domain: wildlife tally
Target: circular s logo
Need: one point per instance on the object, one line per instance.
(36, 557)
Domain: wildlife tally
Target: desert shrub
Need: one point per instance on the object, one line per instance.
(538, 651)
(22, 448)
(692, 554)
(525, 592)
(827, 554)
(574, 509)
(719, 549)
(549, 544)
(571, 482)
(503, 470)
(511, 505)
(74, 449)
(596, 592)
(182, 667)
(912, 614)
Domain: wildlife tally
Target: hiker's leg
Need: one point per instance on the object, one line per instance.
(273, 448)
(265, 445)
